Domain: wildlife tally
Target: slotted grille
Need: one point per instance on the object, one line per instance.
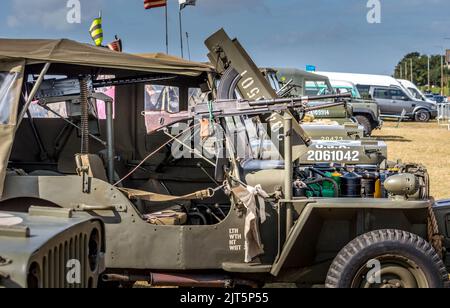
(66, 262)
(61, 259)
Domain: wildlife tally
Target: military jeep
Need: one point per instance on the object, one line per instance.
(143, 143)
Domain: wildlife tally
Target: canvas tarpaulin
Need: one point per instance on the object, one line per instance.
(75, 53)
(10, 90)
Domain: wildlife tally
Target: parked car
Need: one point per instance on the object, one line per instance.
(396, 102)
(440, 99)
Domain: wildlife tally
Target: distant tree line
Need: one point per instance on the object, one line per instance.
(420, 69)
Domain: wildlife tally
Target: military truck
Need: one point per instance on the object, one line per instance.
(179, 211)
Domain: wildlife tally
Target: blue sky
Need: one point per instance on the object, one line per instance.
(334, 35)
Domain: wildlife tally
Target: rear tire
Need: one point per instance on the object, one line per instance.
(366, 123)
(422, 116)
(405, 259)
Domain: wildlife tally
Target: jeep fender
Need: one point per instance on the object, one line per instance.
(368, 113)
(326, 226)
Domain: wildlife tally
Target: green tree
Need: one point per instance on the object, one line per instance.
(420, 69)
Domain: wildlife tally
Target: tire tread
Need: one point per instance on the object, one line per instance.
(374, 237)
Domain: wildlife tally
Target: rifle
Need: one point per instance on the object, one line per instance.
(228, 108)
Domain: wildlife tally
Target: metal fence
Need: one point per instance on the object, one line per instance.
(444, 114)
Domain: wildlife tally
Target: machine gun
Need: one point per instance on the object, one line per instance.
(228, 108)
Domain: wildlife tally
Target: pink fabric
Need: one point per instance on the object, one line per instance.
(101, 108)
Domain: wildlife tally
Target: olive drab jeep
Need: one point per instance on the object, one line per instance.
(190, 189)
(40, 245)
(48, 247)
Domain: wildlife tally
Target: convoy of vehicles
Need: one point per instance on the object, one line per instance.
(298, 83)
(196, 176)
(391, 96)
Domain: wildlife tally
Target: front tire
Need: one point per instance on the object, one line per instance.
(404, 260)
(422, 116)
(366, 123)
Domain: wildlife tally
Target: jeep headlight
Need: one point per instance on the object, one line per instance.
(433, 107)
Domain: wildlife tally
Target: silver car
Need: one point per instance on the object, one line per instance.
(396, 102)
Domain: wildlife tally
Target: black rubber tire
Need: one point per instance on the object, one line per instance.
(353, 257)
(228, 84)
(422, 116)
(366, 123)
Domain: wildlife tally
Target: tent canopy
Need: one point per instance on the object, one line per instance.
(68, 52)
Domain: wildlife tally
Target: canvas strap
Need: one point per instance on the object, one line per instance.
(153, 197)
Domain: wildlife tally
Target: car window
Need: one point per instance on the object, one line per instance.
(7, 81)
(363, 90)
(415, 93)
(196, 96)
(317, 88)
(397, 94)
(382, 93)
(162, 98)
(37, 112)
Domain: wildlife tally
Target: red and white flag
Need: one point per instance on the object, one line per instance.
(151, 4)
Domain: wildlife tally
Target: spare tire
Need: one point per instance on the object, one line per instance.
(228, 84)
(387, 259)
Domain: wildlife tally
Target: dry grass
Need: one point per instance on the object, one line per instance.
(428, 144)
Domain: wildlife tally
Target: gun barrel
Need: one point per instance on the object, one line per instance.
(303, 99)
(323, 106)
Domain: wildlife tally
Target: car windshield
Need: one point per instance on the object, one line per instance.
(416, 93)
(273, 79)
(348, 89)
(317, 88)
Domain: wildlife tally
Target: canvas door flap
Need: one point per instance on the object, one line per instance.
(11, 79)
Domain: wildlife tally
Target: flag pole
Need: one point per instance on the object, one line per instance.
(188, 46)
(167, 29)
(181, 32)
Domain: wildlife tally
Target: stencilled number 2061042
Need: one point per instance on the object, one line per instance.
(334, 156)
